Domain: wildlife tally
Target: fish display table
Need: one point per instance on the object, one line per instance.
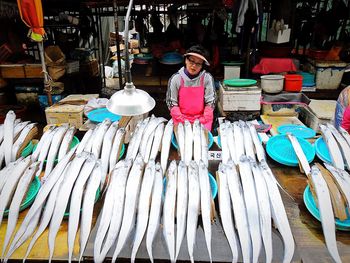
(307, 232)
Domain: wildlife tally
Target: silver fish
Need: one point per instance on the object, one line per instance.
(118, 208)
(131, 197)
(8, 135)
(193, 207)
(115, 151)
(47, 214)
(60, 207)
(158, 136)
(169, 210)
(42, 141)
(21, 190)
(225, 151)
(299, 153)
(138, 138)
(54, 147)
(155, 212)
(264, 210)
(345, 134)
(204, 144)
(343, 145)
(42, 195)
(27, 233)
(18, 128)
(326, 212)
(251, 203)
(259, 149)
(1, 132)
(43, 153)
(226, 212)
(84, 141)
(248, 141)
(66, 141)
(239, 141)
(7, 170)
(143, 207)
(88, 146)
(332, 146)
(342, 181)
(107, 210)
(11, 184)
(88, 206)
(188, 142)
(97, 144)
(231, 142)
(206, 204)
(148, 147)
(166, 140)
(239, 209)
(152, 125)
(20, 140)
(75, 204)
(106, 149)
(181, 205)
(279, 213)
(197, 147)
(132, 141)
(181, 140)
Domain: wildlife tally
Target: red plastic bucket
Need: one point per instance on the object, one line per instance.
(293, 82)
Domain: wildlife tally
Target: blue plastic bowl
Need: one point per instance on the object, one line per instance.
(99, 115)
(280, 149)
(311, 206)
(212, 181)
(210, 143)
(322, 151)
(297, 130)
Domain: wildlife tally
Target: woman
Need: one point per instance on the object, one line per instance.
(342, 110)
(191, 90)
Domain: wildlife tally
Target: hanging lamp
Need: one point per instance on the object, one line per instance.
(129, 101)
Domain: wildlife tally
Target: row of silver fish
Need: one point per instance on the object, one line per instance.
(338, 144)
(240, 138)
(250, 193)
(14, 137)
(192, 140)
(134, 201)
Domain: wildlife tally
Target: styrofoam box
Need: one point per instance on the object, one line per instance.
(328, 73)
(232, 72)
(240, 100)
(279, 37)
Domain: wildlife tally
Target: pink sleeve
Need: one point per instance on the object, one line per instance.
(346, 120)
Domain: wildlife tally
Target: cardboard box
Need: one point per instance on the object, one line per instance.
(69, 110)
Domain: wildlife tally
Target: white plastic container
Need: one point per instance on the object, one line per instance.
(272, 83)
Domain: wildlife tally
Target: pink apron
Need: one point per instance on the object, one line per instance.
(191, 103)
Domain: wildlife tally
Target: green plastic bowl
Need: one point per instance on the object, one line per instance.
(28, 149)
(74, 142)
(31, 194)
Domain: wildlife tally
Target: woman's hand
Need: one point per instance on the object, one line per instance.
(176, 114)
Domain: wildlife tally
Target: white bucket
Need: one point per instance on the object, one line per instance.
(272, 83)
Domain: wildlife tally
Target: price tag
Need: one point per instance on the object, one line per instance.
(214, 155)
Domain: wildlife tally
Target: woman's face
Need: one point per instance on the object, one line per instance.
(193, 64)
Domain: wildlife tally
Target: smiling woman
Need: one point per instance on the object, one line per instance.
(191, 92)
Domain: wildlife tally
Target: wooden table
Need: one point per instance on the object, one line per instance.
(307, 231)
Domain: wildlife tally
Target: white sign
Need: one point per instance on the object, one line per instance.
(214, 155)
